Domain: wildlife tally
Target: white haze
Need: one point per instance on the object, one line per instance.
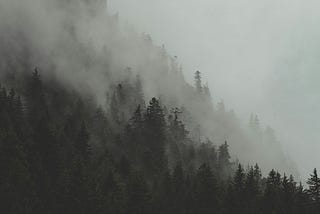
(259, 56)
(251, 53)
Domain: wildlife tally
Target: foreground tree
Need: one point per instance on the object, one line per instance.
(314, 188)
(206, 190)
(154, 132)
(67, 157)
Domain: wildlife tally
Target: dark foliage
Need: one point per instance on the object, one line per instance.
(61, 154)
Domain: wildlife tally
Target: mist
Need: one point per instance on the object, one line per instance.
(260, 57)
(152, 106)
(251, 54)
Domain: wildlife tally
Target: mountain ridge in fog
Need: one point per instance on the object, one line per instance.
(95, 118)
(85, 48)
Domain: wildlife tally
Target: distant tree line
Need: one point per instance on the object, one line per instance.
(61, 153)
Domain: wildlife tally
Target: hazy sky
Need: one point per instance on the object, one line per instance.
(260, 56)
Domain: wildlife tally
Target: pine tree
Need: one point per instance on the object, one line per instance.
(314, 186)
(206, 190)
(37, 107)
(177, 136)
(139, 95)
(272, 192)
(42, 151)
(239, 185)
(301, 198)
(287, 195)
(135, 125)
(134, 137)
(206, 90)
(257, 174)
(154, 155)
(197, 79)
(251, 184)
(224, 160)
(251, 190)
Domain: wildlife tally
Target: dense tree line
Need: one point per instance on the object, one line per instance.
(61, 153)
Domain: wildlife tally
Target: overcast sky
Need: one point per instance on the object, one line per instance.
(260, 56)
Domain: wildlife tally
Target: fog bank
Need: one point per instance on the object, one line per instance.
(258, 56)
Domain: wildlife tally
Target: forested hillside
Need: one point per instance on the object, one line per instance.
(94, 118)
